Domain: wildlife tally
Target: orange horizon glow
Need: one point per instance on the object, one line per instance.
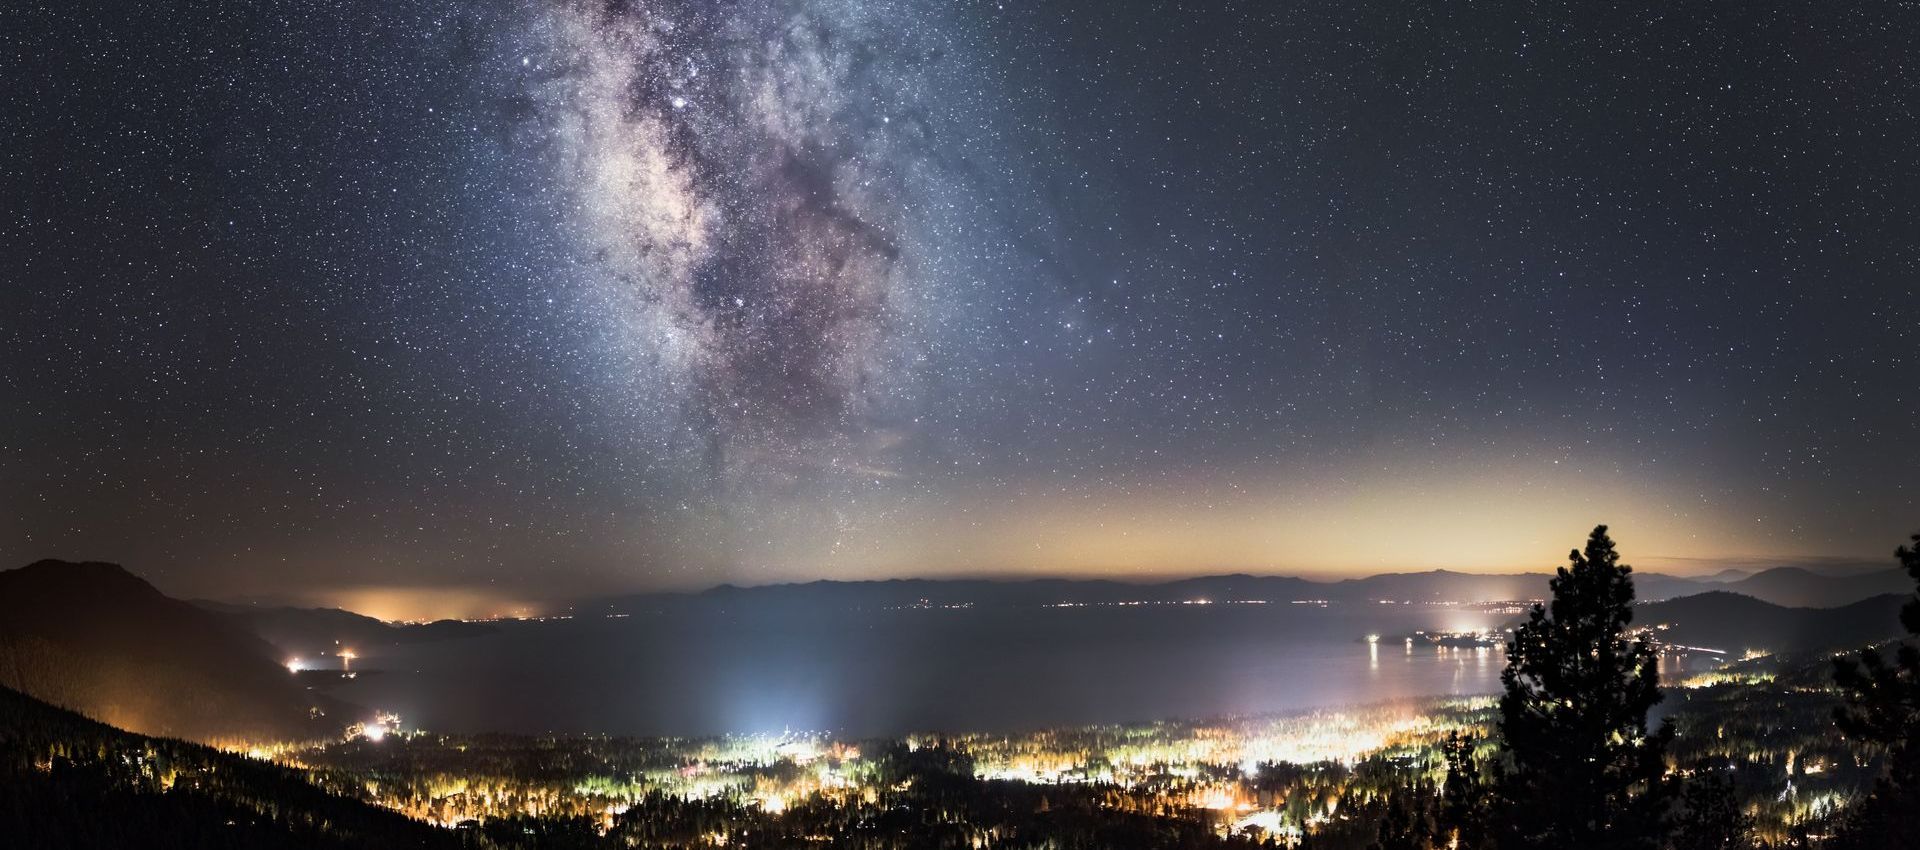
(1488, 516)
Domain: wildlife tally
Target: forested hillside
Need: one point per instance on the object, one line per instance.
(70, 782)
(97, 639)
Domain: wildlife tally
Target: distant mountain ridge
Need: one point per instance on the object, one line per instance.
(1801, 587)
(1735, 623)
(97, 639)
(313, 632)
(1791, 587)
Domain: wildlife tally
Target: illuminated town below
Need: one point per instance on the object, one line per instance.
(1281, 778)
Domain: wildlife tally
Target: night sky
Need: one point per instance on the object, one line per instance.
(529, 299)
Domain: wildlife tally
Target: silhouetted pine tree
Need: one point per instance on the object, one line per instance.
(1581, 769)
(1883, 707)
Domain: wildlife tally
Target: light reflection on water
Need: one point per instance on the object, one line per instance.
(889, 672)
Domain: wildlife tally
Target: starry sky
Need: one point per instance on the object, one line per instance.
(523, 299)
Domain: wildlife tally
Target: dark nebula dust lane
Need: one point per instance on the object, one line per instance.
(751, 218)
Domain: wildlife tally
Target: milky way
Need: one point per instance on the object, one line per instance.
(560, 296)
(751, 182)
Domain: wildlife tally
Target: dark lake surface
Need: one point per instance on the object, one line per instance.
(889, 672)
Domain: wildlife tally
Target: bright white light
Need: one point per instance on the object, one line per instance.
(375, 732)
(294, 665)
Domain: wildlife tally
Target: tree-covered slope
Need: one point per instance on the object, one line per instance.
(70, 782)
(97, 639)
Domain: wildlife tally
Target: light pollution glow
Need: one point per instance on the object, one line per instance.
(1491, 517)
(1513, 517)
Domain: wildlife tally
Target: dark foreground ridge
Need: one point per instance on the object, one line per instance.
(98, 639)
(70, 782)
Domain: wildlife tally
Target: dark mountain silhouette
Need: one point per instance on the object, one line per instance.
(70, 782)
(1785, 586)
(97, 639)
(1450, 586)
(1800, 587)
(313, 632)
(1793, 587)
(1440, 586)
(1433, 586)
(1736, 623)
(899, 593)
(1727, 575)
(902, 593)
